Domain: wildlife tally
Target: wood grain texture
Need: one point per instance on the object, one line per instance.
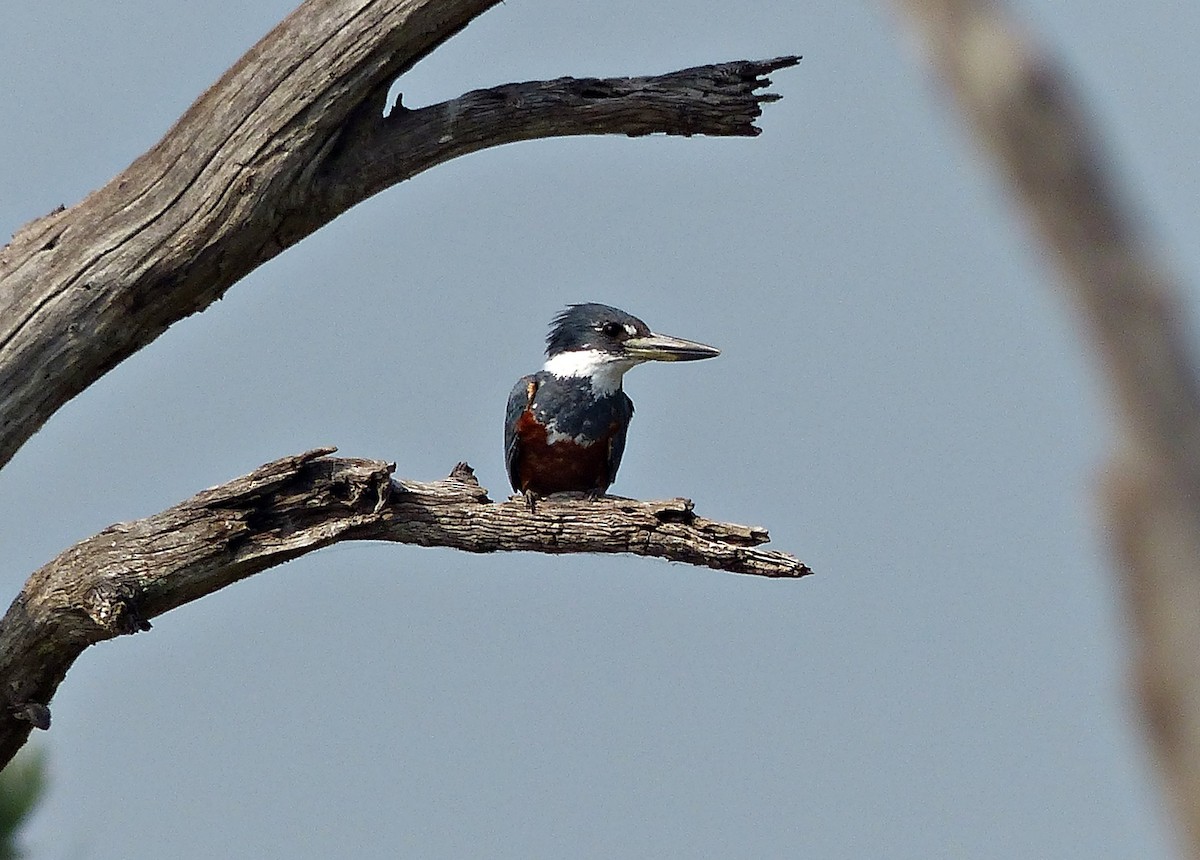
(289, 138)
(115, 582)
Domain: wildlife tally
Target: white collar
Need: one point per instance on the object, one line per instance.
(603, 369)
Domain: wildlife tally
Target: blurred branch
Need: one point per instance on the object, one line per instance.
(1022, 108)
(290, 137)
(114, 582)
(22, 784)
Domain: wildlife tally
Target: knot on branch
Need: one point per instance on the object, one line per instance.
(293, 494)
(682, 511)
(678, 510)
(113, 607)
(34, 713)
(363, 483)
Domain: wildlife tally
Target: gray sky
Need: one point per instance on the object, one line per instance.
(902, 400)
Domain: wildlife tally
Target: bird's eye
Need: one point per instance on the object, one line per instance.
(612, 329)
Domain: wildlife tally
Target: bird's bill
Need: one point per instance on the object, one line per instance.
(663, 347)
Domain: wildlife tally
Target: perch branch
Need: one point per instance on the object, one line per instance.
(1026, 114)
(116, 581)
(288, 139)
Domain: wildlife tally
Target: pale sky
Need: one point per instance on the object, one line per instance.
(902, 399)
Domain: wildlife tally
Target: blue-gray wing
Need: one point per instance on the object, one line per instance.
(616, 445)
(518, 402)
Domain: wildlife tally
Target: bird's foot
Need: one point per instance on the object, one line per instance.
(531, 498)
(577, 495)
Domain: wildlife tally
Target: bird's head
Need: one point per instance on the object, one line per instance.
(602, 342)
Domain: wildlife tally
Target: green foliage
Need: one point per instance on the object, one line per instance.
(21, 786)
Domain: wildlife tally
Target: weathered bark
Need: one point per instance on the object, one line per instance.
(1023, 110)
(289, 138)
(114, 582)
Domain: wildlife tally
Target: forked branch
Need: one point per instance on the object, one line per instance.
(116, 581)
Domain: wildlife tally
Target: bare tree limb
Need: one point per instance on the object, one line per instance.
(376, 152)
(1024, 111)
(289, 138)
(116, 581)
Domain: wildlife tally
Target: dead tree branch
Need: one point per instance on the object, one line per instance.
(116, 581)
(375, 153)
(1024, 111)
(288, 139)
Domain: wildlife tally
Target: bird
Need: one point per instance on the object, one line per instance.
(565, 426)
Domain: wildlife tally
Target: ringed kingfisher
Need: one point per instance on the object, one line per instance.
(566, 424)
